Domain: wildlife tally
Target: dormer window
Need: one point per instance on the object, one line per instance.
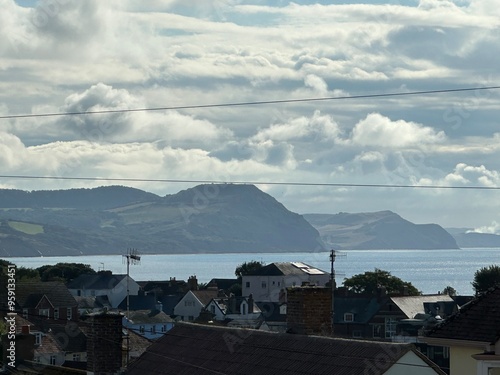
(348, 317)
(38, 338)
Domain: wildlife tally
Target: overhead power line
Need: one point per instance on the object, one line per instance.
(326, 184)
(250, 103)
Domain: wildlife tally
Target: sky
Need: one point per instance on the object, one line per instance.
(60, 56)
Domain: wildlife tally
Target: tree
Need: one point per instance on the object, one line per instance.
(450, 291)
(369, 282)
(486, 278)
(247, 267)
(64, 271)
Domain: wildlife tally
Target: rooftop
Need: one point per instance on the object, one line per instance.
(286, 269)
(479, 320)
(413, 305)
(200, 349)
(99, 281)
(29, 293)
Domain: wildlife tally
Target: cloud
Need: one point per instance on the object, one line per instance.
(318, 128)
(493, 228)
(380, 131)
(69, 55)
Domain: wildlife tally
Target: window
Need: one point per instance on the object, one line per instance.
(243, 309)
(25, 313)
(76, 357)
(212, 309)
(264, 285)
(164, 328)
(53, 360)
(78, 292)
(279, 283)
(141, 329)
(446, 352)
(56, 313)
(38, 338)
(44, 312)
(390, 327)
(348, 317)
(188, 303)
(377, 329)
(153, 329)
(247, 284)
(69, 313)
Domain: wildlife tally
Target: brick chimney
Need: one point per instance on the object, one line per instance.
(308, 310)
(192, 283)
(250, 303)
(104, 344)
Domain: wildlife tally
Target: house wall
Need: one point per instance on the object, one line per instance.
(151, 331)
(83, 356)
(267, 288)
(188, 306)
(461, 361)
(44, 358)
(408, 364)
(219, 315)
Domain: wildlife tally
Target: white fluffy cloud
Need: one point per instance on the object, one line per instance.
(380, 131)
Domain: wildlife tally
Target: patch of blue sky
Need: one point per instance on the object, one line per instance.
(26, 3)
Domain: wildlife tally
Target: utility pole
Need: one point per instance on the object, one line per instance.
(333, 255)
(131, 258)
(332, 285)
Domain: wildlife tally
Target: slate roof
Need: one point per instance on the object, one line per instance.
(205, 296)
(198, 349)
(363, 308)
(479, 320)
(140, 302)
(222, 283)
(149, 317)
(99, 281)
(29, 293)
(413, 305)
(287, 268)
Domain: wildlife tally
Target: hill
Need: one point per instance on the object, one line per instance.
(206, 218)
(472, 239)
(378, 230)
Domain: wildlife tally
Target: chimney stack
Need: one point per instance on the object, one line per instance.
(193, 283)
(309, 310)
(104, 344)
(250, 303)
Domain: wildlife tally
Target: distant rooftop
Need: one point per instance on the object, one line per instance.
(287, 268)
(97, 281)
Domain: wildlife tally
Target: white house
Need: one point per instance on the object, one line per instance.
(238, 311)
(190, 306)
(151, 324)
(267, 283)
(114, 287)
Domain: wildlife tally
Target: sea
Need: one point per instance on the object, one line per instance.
(430, 271)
